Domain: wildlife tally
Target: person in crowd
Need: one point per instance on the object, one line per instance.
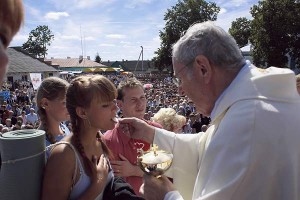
(298, 83)
(187, 127)
(27, 126)
(183, 124)
(11, 19)
(5, 129)
(204, 127)
(79, 164)
(132, 102)
(12, 117)
(169, 119)
(51, 108)
(8, 123)
(17, 126)
(3, 113)
(195, 122)
(1, 127)
(32, 117)
(23, 116)
(23, 98)
(27, 108)
(147, 116)
(259, 157)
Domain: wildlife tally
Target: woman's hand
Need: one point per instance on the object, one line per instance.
(100, 172)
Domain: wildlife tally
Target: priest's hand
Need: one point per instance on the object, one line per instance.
(156, 188)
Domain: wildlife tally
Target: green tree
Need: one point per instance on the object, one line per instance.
(275, 32)
(240, 30)
(38, 40)
(98, 58)
(177, 20)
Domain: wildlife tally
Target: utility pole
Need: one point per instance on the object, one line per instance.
(142, 58)
(141, 54)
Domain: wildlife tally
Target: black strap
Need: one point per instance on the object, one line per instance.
(119, 189)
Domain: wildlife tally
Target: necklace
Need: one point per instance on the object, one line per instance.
(139, 147)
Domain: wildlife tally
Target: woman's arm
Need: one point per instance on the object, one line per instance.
(58, 174)
(98, 178)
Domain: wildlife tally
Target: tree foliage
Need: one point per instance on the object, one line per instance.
(177, 20)
(275, 32)
(98, 58)
(240, 30)
(38, 40)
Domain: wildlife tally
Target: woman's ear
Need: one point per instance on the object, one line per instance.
(81, 112)
(44, 103)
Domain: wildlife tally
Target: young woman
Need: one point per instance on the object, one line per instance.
(78, 168)
(52, 111)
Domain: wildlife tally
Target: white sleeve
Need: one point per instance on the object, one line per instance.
(186, 155)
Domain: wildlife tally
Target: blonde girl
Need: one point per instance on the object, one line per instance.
(51, 108)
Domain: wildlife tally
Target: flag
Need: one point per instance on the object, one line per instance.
(36, 80)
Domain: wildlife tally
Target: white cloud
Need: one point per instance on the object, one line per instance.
(125, 42)
(226, 19)
(31, 10)
(89, 38)
(91, 3)
(222, 11)
(79, 4)
(56, 15)
(115, 36)
(107, 45)
(70, 37)
(135, 3)
(20, 37)
(156, 39)
(60, 47)
(237, 3)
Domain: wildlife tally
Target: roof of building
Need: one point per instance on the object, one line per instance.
(246, 48)
(130, 65)
(74, 62)
(21, 61)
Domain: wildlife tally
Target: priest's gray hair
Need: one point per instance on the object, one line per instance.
(211, 41)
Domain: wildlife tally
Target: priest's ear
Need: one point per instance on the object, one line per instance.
(204, 68)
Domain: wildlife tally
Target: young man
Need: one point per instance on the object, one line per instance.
(132, 101)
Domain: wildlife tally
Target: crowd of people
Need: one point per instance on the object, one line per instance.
(20, 109)
(243, 152)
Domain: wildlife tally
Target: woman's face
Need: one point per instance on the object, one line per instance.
(57, 110)
(102, 115)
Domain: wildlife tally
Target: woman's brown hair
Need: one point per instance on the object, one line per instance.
(12, 14)
(81, 92)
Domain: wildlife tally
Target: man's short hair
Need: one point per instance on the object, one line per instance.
(127, 83)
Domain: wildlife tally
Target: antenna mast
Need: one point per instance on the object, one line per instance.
(81, 42)
(141, 54)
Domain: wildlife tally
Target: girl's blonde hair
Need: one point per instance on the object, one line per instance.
(51, 88)
(168, 118)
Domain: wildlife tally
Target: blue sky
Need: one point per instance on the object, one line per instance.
(116, 29)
